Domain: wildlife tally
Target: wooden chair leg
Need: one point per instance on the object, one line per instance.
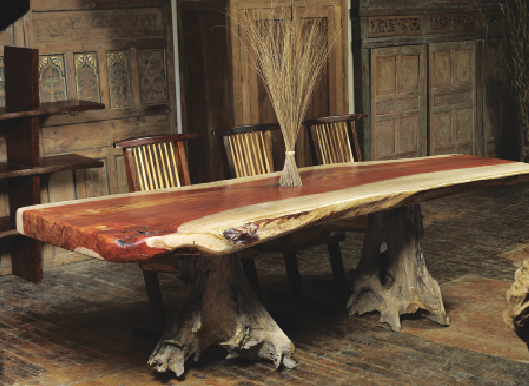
(250, 271)
(335, 256)
(152, 286)
(294, 278)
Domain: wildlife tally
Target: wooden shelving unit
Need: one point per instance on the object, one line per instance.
(24, 165)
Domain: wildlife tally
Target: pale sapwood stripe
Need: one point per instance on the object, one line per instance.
(394, 189)
(207, 231)
(175, 163)
(510, 168)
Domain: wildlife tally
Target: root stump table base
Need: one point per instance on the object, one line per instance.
(395, 281)
(220, 308)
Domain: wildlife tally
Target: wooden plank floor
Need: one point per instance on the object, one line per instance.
(75, 328)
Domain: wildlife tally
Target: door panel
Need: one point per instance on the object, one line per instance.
(398, 102)
(452, 98)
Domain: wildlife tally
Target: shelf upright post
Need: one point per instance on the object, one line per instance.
(22, 142)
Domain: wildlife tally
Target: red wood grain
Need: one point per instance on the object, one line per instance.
(117, 228)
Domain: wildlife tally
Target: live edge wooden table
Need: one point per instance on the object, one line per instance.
(221, 218)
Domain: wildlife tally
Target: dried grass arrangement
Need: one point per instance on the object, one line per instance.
(288, 53)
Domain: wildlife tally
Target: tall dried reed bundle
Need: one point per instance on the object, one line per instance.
(289, 54)
(515, 53)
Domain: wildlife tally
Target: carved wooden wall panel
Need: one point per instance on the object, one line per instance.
(119, 79)
(391, 25)
(450, 23)
(398, 105)
(73, 26)
(452, 98)
(87, 76)
(153, 81)
(52, 78)
(93, 50)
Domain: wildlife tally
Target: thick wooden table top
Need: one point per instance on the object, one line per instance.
(223, 217)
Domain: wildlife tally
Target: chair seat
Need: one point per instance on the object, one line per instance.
(303, 239)
(169, 264)
(355, 224)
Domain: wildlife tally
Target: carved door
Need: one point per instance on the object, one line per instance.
(398, 102)
(251, 102)
(452, 98)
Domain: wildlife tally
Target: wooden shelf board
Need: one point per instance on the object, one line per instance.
(49, 108)
(7, 227)
(50, 164)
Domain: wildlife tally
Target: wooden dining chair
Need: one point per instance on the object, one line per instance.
(249, 150)
(159, 162)
(334, 140)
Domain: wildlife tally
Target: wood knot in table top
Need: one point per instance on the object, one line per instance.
(245, 234)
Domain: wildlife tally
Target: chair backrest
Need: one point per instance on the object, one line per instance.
(156, 162)
(334, 139)
(248, 150)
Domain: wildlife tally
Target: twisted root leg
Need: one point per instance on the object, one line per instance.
(516, 315)
(220, 308)
(395, 281)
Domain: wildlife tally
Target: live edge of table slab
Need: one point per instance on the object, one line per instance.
(224, 217)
